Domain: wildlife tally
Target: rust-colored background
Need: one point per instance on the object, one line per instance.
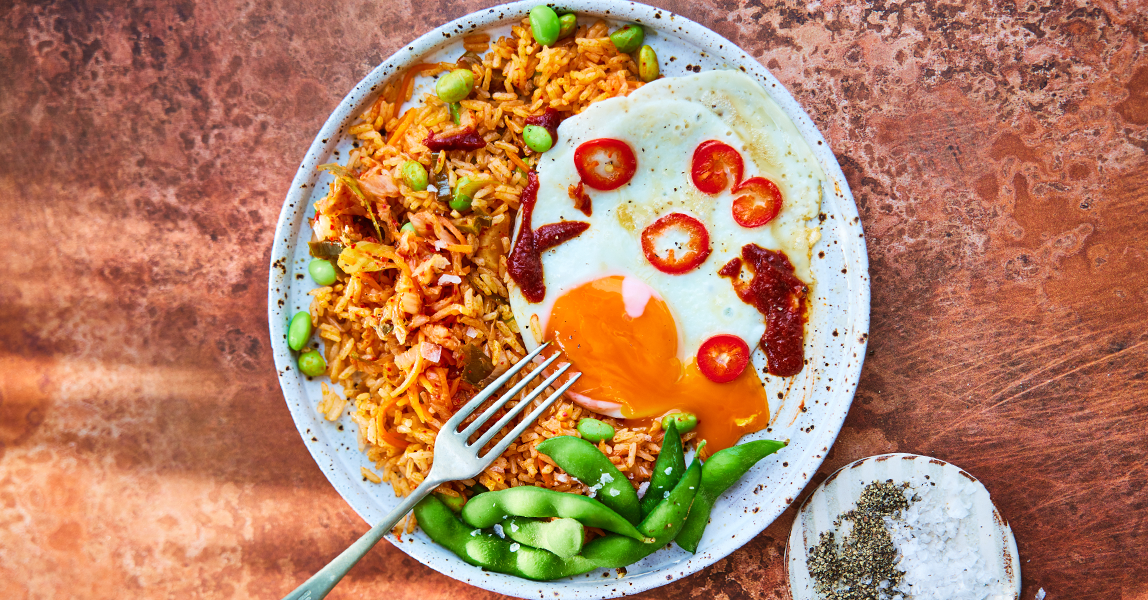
(999, 157)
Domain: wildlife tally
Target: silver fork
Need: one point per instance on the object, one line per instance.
(454, 459)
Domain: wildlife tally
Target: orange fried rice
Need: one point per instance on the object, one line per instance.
(416, 324)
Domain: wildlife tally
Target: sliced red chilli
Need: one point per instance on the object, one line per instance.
(676, 256)
(756, 202)
(464, 140)
(605, 164)
(722, 358)
(716, 166)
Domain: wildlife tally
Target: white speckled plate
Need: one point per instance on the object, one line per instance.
(839, 494)
(809, 408)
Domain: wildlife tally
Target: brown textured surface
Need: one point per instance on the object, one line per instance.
(998, 153)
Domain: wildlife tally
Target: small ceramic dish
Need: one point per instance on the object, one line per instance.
(990, 534)
(809, 408)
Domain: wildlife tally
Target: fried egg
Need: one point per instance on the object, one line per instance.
(631, 329)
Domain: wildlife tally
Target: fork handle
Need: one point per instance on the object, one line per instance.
(320, 584)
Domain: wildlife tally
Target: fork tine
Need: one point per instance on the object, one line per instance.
(453, 423)
(518, 408)
(507, 397)
(531, 418)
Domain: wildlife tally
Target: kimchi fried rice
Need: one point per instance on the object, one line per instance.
(418, 322)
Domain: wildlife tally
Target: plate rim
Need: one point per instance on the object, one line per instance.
(855, 256)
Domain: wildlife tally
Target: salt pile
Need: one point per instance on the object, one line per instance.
(939, 543)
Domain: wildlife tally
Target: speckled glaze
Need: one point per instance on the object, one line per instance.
(807, 410)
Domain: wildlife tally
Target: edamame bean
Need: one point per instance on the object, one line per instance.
(408, 226)
(454, 86)
(537, 138)
(312, 364)
(628, 38)
(684, 420)
(415, 175)
(721, 471)
(544, 25)
(567, 23)
(322, 271)
(489, 552)
(464, 192)
(584, 462)
(484, 510)
(647, 64)
(560, 536)
(668, 469)
(594, 430)
(299, 331)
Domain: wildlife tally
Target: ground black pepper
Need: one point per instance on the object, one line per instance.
(861, 567)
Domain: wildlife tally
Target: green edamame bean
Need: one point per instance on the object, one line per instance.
(668, 469)
(537, 138)
(408, 226)
(464, 192)
(594, 430)
(544, 25)
(684, 420)
(456, 112)
(484, 510)
(567, 23)
(663, 524)
(647, 64)
(454, 86)
(322, 271)
(721, 471)
(584, 462)
(299, 331)
(415, 175)
(312, 364)
(484, 550)
(628, 38)
(560, 536)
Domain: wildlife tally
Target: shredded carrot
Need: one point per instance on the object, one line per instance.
(414, 374)
(518, 162)
(401, 128)
(413, 394)
(390, 438)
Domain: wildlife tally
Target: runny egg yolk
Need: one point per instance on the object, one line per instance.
(633, 362)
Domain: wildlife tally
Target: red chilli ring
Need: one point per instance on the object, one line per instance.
(722, 358)
(605, 163)
(756, 202)
(696, 250)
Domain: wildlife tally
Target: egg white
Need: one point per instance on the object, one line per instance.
(663, 122)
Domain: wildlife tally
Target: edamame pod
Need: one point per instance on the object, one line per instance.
(668, 469)
(663, 524)
(490, 552)
(484, 510)
(720, 472)
(584, 462)
(560, 536)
